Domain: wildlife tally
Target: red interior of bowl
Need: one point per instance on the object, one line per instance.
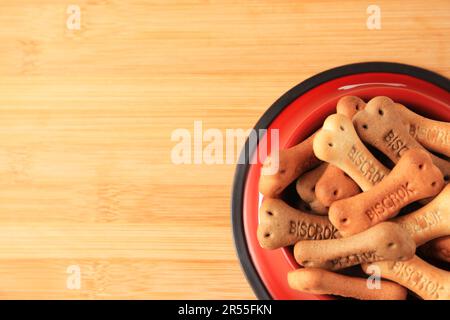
(300, 119)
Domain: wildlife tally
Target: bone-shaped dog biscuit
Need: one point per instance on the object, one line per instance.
(349, 106)
(319, 281)
(381, 125)
(281, 225)
(414, 177)
(438, 248)
(306, 188)
(292, 163)
(425, 280)
(429, 222)
(385, 241)
(433, 135)
(339, 144)
(333, 185)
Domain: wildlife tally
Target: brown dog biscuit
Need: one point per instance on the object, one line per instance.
(306, 187)
(429, 222)
(381, 125)
(433, 135)
(385, 241)
(319, 281)
(425, 280)
(333, 185)
(339, 144)
(414, 177)
(292, 163)
(438, 248)
(349, 106)
(281, 225)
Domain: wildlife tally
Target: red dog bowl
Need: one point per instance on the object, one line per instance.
(297, 114)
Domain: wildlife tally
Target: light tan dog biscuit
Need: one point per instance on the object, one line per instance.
(306, 187)
(381, 125)
(319, 281)
(281, 225)
(333, 185)
(433, 135)
(339, 144)
(425, 280)
(429, 222)
(349, 106)
(414, 177)
(292, 163)
(438, 248)
(385, 241)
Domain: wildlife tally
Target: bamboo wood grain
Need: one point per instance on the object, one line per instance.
(86, 118)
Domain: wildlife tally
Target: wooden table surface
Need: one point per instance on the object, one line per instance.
(86, 118)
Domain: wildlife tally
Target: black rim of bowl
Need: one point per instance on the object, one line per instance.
(286, 99)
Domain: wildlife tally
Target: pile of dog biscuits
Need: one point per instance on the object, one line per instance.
(372, 190)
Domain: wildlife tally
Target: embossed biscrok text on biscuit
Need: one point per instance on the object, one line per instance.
(425, 280)
(281, 225)
(429, 222)
(414, 177)
(433, 135)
